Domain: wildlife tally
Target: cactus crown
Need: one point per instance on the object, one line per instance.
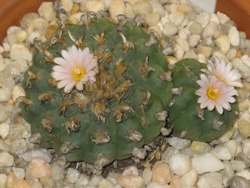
(122, 108)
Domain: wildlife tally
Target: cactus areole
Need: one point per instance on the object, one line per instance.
(97, 116)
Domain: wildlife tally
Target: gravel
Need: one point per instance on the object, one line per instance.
(184, 31)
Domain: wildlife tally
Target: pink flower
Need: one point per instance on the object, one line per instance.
(223, 71)
(76, 67)
(215, 94)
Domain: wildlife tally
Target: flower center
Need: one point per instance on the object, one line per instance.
(212, 93)
(78, 73)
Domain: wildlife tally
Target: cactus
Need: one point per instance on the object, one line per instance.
(186, 116)
(126, 107)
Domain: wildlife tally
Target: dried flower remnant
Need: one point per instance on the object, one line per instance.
(76, 67)
(215, 94)
(224, 72)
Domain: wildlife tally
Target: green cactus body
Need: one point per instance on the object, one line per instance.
(124, 111)
(188, 120)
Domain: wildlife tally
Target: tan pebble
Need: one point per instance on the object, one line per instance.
(223, 43)
(205, 50)
(20, 183)
(21, 35)
(47, 182)
(75, 8)
(186, 8)
(95, 6)
(105, 184)
(130, 171)
(6, 159)
(47, 11)
(67, 5)
(4, 130)
(129, 11)
(17, 91)
(75, 18)
(3, 180)
(131, 181)
(50, 31)
(244, 128)
(116, 7)
(175, 182)
(161, 173)
(40, 168)
(177, 18)
(142, 8)
(200, 147)
(244, 105)
(152, 18)
(239, 54)
(10, 179)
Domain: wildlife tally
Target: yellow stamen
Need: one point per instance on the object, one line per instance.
(221, 78)
(78, 73)
(212, 93)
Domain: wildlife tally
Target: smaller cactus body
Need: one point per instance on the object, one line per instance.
(188, 120)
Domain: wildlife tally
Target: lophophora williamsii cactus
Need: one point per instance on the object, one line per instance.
(196, 110)
(97, 91)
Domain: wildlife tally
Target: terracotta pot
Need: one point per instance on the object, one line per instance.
(12, 11)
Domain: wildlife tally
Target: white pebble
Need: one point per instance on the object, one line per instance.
(116, 7)
(29, 155)
(222, 153)
(67, 5)
(168, 154)
(223, 17)
(194, 40)
(195, 28)
(210, 180)
(207, 163)
(214, 18)
(227, 173)
(177, 18)
(180, 164)
(105, 184)
(18, 146)
(19, 172)
(228, 135)
(72, 175)
(244, 173)
(178, 51)
(147, 175)
(156, 185)
(234, 36)
(201, 58)
(95, 5)
(13, 30)
(169, 29)
(95, 180)
(246, 147)
(209, 30)
(157, 7)
(4, 130)
(203, 19)
(231, 54)
(179, 143)
(233, 146)
(19, 51)
(6, 159)
(47, 11)
(223, 43)
(130, 171)
(82, 181)
(237, 165)
(189, 179)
